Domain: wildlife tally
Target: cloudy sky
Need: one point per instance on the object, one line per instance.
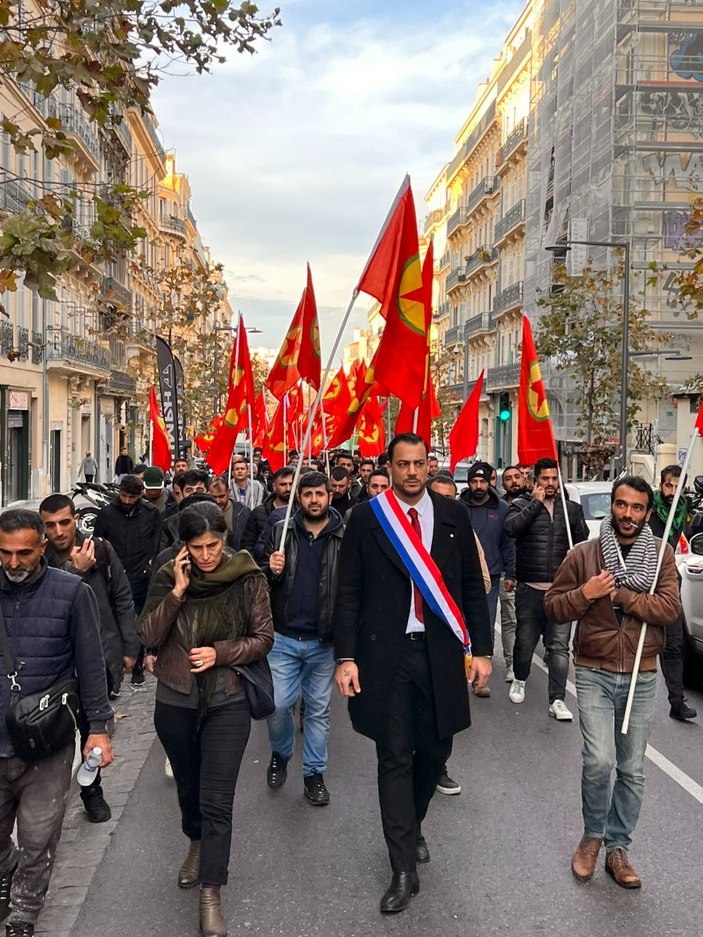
(296, 153)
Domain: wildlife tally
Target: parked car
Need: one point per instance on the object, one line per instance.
(594, 498)
(690, 566)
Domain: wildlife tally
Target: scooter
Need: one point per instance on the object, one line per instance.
(89, 499)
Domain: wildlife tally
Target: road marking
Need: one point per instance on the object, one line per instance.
(661, 761)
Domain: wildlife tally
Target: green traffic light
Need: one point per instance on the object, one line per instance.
(504, 416)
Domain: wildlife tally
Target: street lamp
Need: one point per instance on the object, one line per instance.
(232, 329)
(624, 246)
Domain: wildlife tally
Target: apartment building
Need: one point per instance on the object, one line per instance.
(588, 128)
(74, 371)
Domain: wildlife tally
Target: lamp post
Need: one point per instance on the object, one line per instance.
(232, 329)
(624, 246)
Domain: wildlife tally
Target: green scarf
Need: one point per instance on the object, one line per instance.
(662, 509)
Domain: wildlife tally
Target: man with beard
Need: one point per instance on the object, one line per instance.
(672, 655)
(514, 487)
(96, 562)
(236, 515)
(342, 499)
(302, 569)
(538, 525)
(401, 660)
(279, 498)
(488, 513)
(604, 585)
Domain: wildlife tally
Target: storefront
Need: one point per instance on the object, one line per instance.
(15, 444)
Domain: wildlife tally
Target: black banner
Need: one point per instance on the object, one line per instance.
(180, 390)
(168, 391)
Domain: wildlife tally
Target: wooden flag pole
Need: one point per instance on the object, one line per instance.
(660, 560)
(315, 408)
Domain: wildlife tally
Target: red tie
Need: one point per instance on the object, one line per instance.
(417, 595)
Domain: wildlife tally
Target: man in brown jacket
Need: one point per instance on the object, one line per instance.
(605, 585)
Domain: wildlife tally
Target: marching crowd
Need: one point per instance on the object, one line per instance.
(384, 582)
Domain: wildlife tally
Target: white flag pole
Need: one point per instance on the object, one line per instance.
(660, 560)
(569, 536)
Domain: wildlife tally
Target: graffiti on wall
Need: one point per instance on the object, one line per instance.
(680, 110)
(686, 60)
(686, 169)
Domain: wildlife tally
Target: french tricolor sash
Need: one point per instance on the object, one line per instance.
(423, 570)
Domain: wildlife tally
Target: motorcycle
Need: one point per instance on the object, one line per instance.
(89, 499)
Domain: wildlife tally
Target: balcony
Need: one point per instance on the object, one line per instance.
(73, 124)
(443, 310)
(112, 290)
(37, 344)
(483, 322)
(14, 195)
(7, 336)
(509, 298)
(481, 257)
(459, 218)
(454, 279)
(503, 377)
(513, 141)
(120, 384)
(68, 352)
(433, 218)
(511, 220)
(23, 343)
(445, 260)
(486, 187)
(453, 336)
(173, 225)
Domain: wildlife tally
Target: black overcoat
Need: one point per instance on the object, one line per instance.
(373, 605)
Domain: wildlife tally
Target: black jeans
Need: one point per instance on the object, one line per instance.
(672, 662)
(206, 759)
(410, 757)
(532, 623)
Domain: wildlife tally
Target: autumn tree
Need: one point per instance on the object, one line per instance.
(690, 282)
(581, 331)
(112, 53)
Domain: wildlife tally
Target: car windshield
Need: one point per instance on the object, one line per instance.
(460, 473)
(596, 506)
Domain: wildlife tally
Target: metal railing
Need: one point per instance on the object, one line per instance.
(452, 336)
(505, 375)
(7, 336)
(445, 260)
(646, 438)
(121, 384)
(37, 347)
(62, 345)
(23, 343)
(433, 218)
(510, 296)
(454, 277)
(73, 122)
(483, 322)
(14, 194)
(513, 140)
(487, 186)
(443, 310)
(482, 255)
(173, 225)
(111, 289)
(513, 217)
(460, 217)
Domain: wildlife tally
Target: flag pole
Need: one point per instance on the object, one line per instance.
(325, 438)
(315, 408)
(236, 365)
(569, 535)
(416, 420)
(660, 560)
(251, 447)
(285, 429)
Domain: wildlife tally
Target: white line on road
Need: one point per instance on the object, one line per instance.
(661, 761)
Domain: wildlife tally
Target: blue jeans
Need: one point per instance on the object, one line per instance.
(306, 665)
(611, 810)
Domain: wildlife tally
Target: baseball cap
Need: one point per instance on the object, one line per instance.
(480, 470)
(153, 477)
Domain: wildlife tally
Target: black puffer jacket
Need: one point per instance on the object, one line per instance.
(541, 540)
(281, 585)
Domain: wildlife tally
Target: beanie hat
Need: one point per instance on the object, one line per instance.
(480, 470)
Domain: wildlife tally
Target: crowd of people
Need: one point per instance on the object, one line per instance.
(381, 579)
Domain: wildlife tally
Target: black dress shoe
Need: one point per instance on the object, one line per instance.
(682, 711)
(277, 771)
(402, 887)
(422, 853)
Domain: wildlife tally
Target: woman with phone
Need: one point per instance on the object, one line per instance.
(207, 612)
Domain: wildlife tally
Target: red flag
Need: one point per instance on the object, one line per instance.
(361, 381)
(372, 434)
(160, 439)
(274, 448)
(699, 420)
(337, 396)
(204, 440)
(299, 356)
(463, 438)
(535, 436)
(239, 394)
(260, 422)
(394, 277)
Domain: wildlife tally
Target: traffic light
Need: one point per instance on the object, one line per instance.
(504, 407)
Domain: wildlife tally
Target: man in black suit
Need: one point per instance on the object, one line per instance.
(399, 663)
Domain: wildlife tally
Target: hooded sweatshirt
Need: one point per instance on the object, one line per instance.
(488, 522)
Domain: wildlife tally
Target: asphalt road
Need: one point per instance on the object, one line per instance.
(500, 851)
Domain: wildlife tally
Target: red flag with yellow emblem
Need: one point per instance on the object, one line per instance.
(393, 276)
(361, 382)
(204, 440)
(274, 448)
(337, 398)
(260, 420)
(299, 356)
(372, 434)
(160, 439)
(463, 438)
(535, 436)
(240, 394)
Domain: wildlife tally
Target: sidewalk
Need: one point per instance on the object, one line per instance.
(83, 844)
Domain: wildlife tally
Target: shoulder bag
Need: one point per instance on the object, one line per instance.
(257, 684)
(44, 722)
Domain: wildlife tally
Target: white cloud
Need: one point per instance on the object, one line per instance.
(296, 153)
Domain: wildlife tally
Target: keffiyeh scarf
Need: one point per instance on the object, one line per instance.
(637, 571)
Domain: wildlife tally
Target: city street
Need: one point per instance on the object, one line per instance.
(500, 851)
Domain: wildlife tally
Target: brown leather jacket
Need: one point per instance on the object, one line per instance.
(600, 642)
(165, 627)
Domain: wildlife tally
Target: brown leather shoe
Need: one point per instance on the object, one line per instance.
(617, 865)
(212, 924)
(583, 861)
(189, 872)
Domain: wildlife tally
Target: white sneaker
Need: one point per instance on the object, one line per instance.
(510, 675)
(168, 770)
(559, 711)
(517, 691)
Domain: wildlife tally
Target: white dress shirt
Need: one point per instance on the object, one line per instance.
(425, 511)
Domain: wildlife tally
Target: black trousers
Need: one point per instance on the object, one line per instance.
(672, 662)
(410, 756)
(206, 759)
